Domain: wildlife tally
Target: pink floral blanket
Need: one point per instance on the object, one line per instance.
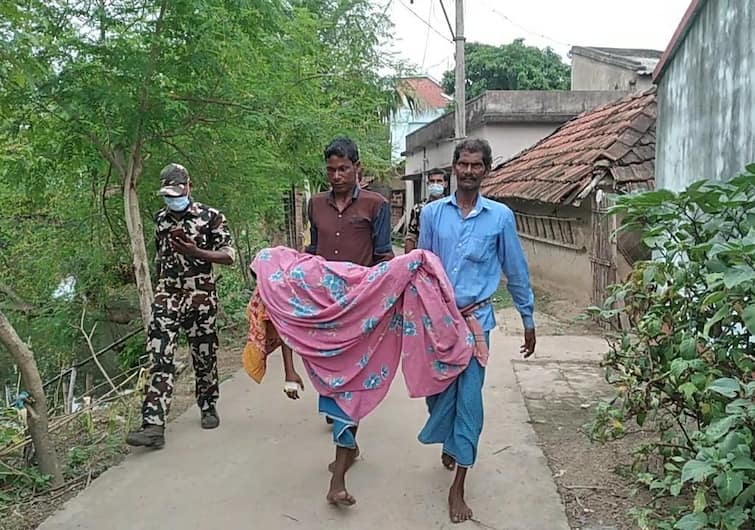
(351, 325)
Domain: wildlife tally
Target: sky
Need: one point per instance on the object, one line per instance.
(559, 24)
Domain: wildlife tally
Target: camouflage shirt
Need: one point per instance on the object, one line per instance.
(412, 230)
(208, 229)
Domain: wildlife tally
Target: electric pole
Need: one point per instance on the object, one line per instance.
(460, 114)
(460, 130)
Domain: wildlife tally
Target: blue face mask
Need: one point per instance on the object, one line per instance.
(435, 190)
(177, 204)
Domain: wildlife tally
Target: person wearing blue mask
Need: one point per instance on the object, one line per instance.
(190, 237)
(436, 189)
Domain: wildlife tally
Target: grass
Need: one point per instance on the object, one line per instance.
(501, 299)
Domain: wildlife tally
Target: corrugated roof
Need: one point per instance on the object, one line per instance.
(642, 61)
(618, 139)
(427, 90)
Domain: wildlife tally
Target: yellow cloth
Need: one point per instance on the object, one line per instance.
(261, 340)
(254, 362)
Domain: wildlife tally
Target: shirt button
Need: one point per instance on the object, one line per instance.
(335, 252)
(338, 234)
(339, 215)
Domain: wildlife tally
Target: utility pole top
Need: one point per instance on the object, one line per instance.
(460, 130)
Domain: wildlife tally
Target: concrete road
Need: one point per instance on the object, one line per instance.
(265, 468)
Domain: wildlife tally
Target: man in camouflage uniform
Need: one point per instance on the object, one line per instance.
(436, 189)
(190, 237)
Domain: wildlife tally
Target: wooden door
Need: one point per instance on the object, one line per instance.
(603, 250)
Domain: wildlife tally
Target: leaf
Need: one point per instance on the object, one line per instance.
(720, 428)
(729, 485)
(730, 443)
(700, 503)
(750, 168)
(696, 471)
(726, 386)
(649, 273)
(688, 348)
(737, 406)
(737, 275)
(654, 198)
(746, 496)
(678, 366)
(657, 485)
(675, 489)
(722, 312)
(692, 521)
(700, 380)
(742, 462)
(748, 315)
(734, 518)
(688, 389)
(712, 298)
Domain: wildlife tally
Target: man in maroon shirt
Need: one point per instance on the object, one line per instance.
(347, 223)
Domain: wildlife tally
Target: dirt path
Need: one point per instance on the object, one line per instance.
(562, 385)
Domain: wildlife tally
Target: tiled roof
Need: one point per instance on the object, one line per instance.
(429, 92)
(618, 138)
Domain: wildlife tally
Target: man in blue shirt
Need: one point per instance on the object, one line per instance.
(476, 240)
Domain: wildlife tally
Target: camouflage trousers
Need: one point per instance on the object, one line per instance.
(196, 313)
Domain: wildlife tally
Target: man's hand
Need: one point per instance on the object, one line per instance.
(296, 379)
(181, 243)
(409, 244)
(528, 348)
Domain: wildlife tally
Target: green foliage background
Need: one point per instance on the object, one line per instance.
(245, 93)
(513, 66)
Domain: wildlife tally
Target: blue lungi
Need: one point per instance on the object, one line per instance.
(342, 434)
(456, 415)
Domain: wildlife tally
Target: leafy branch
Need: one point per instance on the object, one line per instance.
(688, 361)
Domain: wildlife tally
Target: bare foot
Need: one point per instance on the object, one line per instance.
(458, 510)
(448, 461)
(341, 498)
(350, 462)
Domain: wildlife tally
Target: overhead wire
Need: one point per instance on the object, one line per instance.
(526, 30)
(446, 59)
(427, 35)
(425, 22)
(448, 21)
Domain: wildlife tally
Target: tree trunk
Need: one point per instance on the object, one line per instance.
(38, 422)
(136, 235)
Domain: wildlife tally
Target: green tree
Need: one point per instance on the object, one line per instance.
(95, 97)
(36, 404)
(240, 92)
(512, 66)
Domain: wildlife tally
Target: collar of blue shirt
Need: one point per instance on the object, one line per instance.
(480, 205)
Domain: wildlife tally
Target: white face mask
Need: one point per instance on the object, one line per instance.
(177, 204)
(435, 189)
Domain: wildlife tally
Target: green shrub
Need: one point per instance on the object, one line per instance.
(687, 361)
